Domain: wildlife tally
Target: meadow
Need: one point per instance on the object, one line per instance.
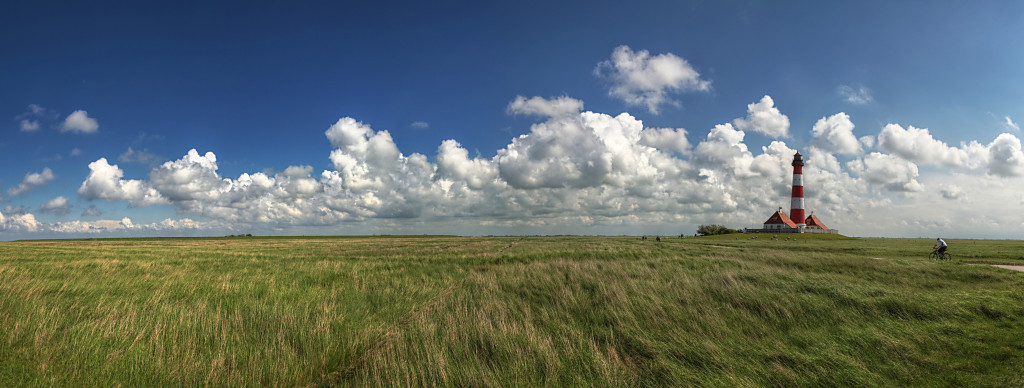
(821, 310)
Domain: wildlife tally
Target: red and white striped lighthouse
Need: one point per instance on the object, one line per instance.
(796, 211)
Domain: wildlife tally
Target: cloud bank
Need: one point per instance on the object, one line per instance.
(571, 168)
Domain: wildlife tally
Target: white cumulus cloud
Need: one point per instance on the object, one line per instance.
(58, 206)
(555, 107)
(79, 121)
(29, 120)
(588, 150)
(104, 182)
(192, 177)
(667, 139)
(638, 78)
(25, 222)
(836, 132)
(1001, 157)
(724, 147)
(453, 162)
(891, 172)
(32, 181)
(918, 145)
(764, 117)
(29, 125)
(867, 141)
(1005, 156)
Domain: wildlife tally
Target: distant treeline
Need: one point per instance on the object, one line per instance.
(710, 230)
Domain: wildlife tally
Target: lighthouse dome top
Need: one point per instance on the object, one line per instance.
(798, 160)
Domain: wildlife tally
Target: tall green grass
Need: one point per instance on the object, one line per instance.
(209, 312)
(718, 311)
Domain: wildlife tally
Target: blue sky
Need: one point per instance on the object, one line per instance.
(262, 86)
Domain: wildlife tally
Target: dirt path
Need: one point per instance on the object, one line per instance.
(1010, 267)
(1003, 266)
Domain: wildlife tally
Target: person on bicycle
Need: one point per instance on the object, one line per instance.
(941, 245)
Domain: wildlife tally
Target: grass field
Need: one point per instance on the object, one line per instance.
(495, 311)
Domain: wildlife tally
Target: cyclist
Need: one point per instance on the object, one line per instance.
(941, 245)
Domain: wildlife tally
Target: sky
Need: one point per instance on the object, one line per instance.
(508, 117)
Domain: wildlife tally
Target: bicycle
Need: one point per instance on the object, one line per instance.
(935, 255)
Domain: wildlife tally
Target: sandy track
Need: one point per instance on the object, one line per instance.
(1010, 267)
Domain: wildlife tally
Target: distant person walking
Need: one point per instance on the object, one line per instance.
(941, 245)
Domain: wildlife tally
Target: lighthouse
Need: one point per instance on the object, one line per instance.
(795, 222)
(796, 210)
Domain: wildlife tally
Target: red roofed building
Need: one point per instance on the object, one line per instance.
(814, 223)
(779, 220)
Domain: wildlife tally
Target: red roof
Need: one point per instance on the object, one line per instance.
(780, 217)
(814, 221)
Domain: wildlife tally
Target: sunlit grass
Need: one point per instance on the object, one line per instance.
(723, 311)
